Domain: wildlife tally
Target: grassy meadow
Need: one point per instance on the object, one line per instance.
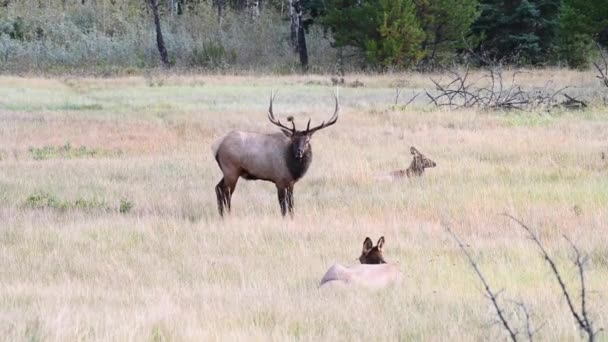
(109, 228)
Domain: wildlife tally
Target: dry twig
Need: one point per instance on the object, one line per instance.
(602, 69)
(494, 90)
(493, 296)
(581, 318)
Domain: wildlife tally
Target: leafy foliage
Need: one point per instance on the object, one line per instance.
(526, 28)
(387, 31)
(581, 23)
(445, 23)
(109, 35)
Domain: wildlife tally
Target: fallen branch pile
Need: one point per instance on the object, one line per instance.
(495, 91)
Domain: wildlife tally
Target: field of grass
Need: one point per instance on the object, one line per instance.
(109, 228)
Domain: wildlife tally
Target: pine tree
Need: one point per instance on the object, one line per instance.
(445, 24)
(525, 28)
(386, 31)
(582, 22)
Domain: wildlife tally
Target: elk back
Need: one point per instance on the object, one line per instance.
(370, 276)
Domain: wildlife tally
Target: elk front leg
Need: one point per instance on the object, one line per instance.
(282, 194)
(289, 199)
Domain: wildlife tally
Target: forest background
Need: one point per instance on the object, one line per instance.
(286, 36)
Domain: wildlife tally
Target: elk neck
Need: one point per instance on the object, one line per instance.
(297, 167)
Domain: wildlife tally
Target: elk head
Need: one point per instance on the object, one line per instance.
(419, 163)
(300, 139)
(372, 254)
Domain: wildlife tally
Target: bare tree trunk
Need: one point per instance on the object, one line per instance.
(302, 39)
(170, 5)
(255, 9)
(164, 57)
(341, 61)
(220, 7)
(293, 27)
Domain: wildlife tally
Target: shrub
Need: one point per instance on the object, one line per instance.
(125, 206)
(212, 56)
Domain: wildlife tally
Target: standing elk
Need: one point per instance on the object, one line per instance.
(281, 158)
(374, 271)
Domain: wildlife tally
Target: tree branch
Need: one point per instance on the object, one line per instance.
(493, 296)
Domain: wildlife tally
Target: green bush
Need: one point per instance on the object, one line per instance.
(68, 152)
(212, 56)
(50, 201)
(125, 206)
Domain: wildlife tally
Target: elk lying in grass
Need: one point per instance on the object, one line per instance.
(281, 158)
(416, 168)
(374, 271)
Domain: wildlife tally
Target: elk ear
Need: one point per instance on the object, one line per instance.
(380, 243)
(367, 245)
(414, 151)
(287, 133)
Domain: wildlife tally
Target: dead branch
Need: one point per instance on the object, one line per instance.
(581, 318)
(411, 100)
(573, 103)
(530, 331)
(494, 91)
(493, 296)
(580, 261)
(603, 69)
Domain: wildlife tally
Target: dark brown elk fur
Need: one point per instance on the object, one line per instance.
(281, 158)
(417, 166)
(372, 254)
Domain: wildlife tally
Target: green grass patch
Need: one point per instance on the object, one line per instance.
(527, 119)
(47, 200)
(79, 106)
(44, 200)
(125, 206)
(68, 152)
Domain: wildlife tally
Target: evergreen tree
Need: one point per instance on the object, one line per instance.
(445, 23)
(581, 23)
(526, 28)
(387, 31)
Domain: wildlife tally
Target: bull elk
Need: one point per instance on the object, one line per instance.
(281, 158)
(374, 271)
(416, 169)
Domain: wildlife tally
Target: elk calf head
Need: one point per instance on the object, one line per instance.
(372, 254)
(419, 163)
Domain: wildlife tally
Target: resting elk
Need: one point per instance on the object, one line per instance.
(281, 158)
(416, 169)
(374, 271)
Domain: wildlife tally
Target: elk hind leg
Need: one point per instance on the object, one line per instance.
(221, 193)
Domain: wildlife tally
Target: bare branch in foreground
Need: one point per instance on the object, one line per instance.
(581, 318)
(493, 296)
(530, 331)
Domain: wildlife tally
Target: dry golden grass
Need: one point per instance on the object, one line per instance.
(74, 267)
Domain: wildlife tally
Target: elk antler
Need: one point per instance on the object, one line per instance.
(324, 124)
(276, 121)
